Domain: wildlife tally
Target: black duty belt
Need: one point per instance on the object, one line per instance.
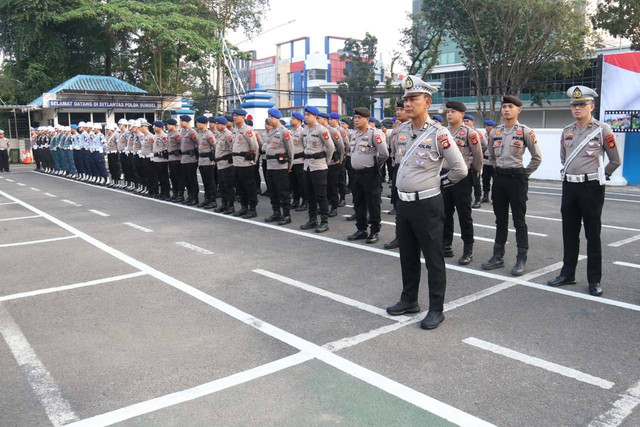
(163, 154)
(189, 153)
(364, 171)
(298, 156)
(321, 155)
(225, 157)
(240, 154)
(175, 152)
(510, 171)
(277, 156)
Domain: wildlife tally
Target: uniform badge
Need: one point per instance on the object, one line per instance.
(517, 143)
(421, 154)
(611, 141)
(335, 135)
(363, 149)
(178, 138)
(314, 143)
(516, 150)
(402, 137)
(275, 145)
(287, 136)
(462, 132)
(164, 139)
(366, 137)
(533, 137)
(400, 151)
(497, 143)
(570, 135)
(519, 132)
(593, 143)
(344, 133)
(589, 152)
(378, 139)
(428, 140)
(474, 138)
(211, 140)
(498, 132)
(419, 162)
(446, 145)
(325, 134)
(567, 143)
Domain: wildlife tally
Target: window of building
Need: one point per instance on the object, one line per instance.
(63, 119)
(317, 74)
(79, 117)
(99, 117)
(317, 93)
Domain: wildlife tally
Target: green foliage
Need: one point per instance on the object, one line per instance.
(421, 42)
(359, 85)
(621, 18)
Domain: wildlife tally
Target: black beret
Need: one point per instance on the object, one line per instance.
(249, 122)
(400, 104)
(456, 105)
(171, 122)
(185, 118)
(362, 112)
(512, 99)
(229, 118)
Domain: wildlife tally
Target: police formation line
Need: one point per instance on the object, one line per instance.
(434, 170)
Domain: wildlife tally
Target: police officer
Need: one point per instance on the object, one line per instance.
(438, 118)
(245, 158)
(224, 163)
(5, 146)
(176, 174)
(458, 196)
(113, 156)
(98, 144)
(507, 143)
(582, 149)
(398, 144)
(469, 120)
(420, 210)
(318, 149)
(76, 145)
(369, 154)
(334, 124)
(206, 160)
(296, 175)
(53, 146)
(333, 173)
(189, 159)
(70, 152)
(346, 124)
(146, 154)
(487, 167)
(161, 159)
(134, 145)
(278, 149)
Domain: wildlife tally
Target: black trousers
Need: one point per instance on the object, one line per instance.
(36, 157)
(419, 229)
(477, 184)
(296, 178)
(366, 191)
(257, 176)
(278, 188)
(162, 172)
(394, 189)
(191, 179)
(151, 179)
(333, 182)
(347, 166)
(78, 159)
(207, 173)
(458, 197)
(140, 169)
(114, 166)
(342, 181)
(582, 203)
(511, 191)
(488, 172)
(4, 160)
(246, 186)
(264, 174)
(176, 175)
(315, 188)
(47, 160)
(227, 179)
(135, 172)
(126, 166)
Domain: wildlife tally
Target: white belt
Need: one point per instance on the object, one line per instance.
(3, 149)
(112, 151)
(581, 178)
(415, 196)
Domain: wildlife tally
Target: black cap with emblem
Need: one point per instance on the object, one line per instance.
(512, 99)
(362, 112)
(456, 105)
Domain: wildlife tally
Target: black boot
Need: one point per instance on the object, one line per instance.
(342, 203)
(286, 217)
(203, 203)
(295, 204)
(242, 211)
(392, 244)
(333, 212)
(476, 205)
(496, 260)
(447, 251)
(230, 209)
(303, 207)
(521, 263)
(275, 216)
(211, 205)
(467, 254)
(312, 223)
(485, 198)
(324, 224)
(223, 207)
(251, 213)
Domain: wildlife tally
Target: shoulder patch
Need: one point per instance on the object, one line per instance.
(249, 133)
(178, 137)
(325, 134)
(443, 140)
(287, 136)
(533, 137)
(344, 133)
(164, 139)
(611, 141)
(211, 140)
(378, 139)
(335, 135)
(474, 138)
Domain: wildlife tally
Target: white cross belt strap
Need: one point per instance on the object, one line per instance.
(413, 148)
(579, 148)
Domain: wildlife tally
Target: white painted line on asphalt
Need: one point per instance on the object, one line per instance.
(9, 180)
(98, 212)
(19, 217)
(607, 191)
(173, 399)
(49, 195)
(21, 184)
(627, 264)
(624, 242)
(481, 239)
(72, 203)
(493, 227)
(540, 363)
(611, 199)
(68, 287)
(195, 248)
(622, 408)
(373, 249)
(34, 188)
(33, 242)
(333, 296)
(373, 378)
(44, 386)
(7, 203)
(138, 227)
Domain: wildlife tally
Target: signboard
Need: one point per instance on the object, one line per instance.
(262, 63)
(121, 105)
(620, 102)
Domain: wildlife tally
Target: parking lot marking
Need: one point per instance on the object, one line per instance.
(19, 217)
(606, 198)
(74, 286)
(622, 408)
(608, 192)
(196, 392)
(195, 248)
(49, 195)
(627, 264)
(327, 294)
(9, 180)
(482, 239)
(624, 242)
(373, 378)
(44, 386)
(540, 363)
(34, 188)
(138, 227)
(7, 203)
(98, 212)
(493, 227)
(363, 247)
(21, 184)
(33, 242)
(72, 203)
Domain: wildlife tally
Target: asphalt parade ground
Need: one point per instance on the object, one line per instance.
(120, 309)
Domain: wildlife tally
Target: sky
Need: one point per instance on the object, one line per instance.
(343, 18)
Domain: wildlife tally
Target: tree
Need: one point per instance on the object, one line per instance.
(359, 85)
(505, 43)
(420, 42)
(621, 18)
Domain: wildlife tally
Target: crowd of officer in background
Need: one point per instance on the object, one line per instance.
(434, 167)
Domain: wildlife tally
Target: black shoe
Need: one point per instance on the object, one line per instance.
(466, 258)
(351, 217)
(242, 211)
(211, 205)
(392, 244)
(273, 218)
(231, 210)
(285, 220)
(485, 198)
(202, 203)
(173, 198)
(322, 227)
(251, 213)
(358, 235)
(312, 223)
(392, 211)
(496, 260)
(221, 208)
(447, 251)
(265, 193)
(595, 289)
(179, 199)
(295, 204)
(561, 280)
(303, 207)
(342, 203)
(333, 212)
(192, 202)
(373, 238)
(432, 320)
(521, 263)
(403, 307)
(476, 205)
